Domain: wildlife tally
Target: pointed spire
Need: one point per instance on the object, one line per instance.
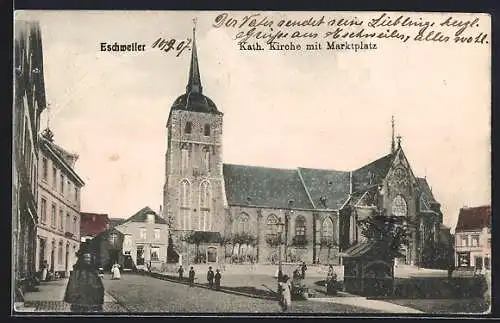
(393, 146)
(194, 82)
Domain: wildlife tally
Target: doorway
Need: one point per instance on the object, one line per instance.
(212, 254)
(52, 256)
(140, 256)
(41, 254)
(478, 261)
(67, 258)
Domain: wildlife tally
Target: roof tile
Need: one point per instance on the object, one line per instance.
(264, 186)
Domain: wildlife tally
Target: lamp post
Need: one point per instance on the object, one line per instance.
(287, 219)
(280, 225)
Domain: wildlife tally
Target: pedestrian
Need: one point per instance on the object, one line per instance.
(331, 281)
(210, 277)
(85, 291)
(45, 270)
(218, 277)
(181, 272)
(303, 269)
(191, 276)
(284, 292)
(116, 271)
(280, 275)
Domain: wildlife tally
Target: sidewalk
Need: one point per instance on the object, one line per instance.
(369, 303)
(50, 298)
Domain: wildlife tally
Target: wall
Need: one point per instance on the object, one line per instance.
(258, 227)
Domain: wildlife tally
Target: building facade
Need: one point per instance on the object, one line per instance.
(142, 239)
(29, 102)
(59, 199)
(473, 238)
(314, 213)
(93, 224)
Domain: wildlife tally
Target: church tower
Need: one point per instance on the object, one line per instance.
(193, 191)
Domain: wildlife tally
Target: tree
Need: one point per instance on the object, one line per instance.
(389, 232)
(244, 238)
(196, 238)
(223, 241)
(328, 243)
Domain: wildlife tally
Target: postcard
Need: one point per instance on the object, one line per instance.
(262, 162)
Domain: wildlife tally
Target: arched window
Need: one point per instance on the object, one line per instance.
(300, 226)
(206, 158)
(243, 223)
(189, 126)
(184, 158)
(206, 130)
(205, 215)
(327, 229)
(399, 207)
(185, 205)
(272, 225)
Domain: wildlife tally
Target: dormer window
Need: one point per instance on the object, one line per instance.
(323, 200)
(188, 128)
(206, 130)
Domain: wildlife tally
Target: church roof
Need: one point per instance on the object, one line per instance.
(328, 189)
(474, 218)
(194, 100)
(426, 190)
(264, 186)
(372, 173)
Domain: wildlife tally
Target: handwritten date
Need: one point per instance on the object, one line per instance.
(173, 45)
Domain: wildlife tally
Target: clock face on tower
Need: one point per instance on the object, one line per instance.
(399, 207)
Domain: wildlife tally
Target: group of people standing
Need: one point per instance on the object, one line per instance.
(213, 279)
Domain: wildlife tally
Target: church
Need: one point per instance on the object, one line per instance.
(219, 211)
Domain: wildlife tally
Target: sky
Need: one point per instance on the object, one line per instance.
(317, 109)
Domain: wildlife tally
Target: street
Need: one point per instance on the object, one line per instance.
(138, 293)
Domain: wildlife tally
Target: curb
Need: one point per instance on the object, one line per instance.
(173, 280)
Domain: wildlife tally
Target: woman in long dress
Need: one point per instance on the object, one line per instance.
(85, 291)
(284, 289)
(116, 271)
(331, 281)
(44, 270)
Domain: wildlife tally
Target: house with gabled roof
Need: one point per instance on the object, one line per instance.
(473, 237)
(136, 242)
(315, 211)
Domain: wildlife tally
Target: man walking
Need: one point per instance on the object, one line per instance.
(210, 277)
(191, 277)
